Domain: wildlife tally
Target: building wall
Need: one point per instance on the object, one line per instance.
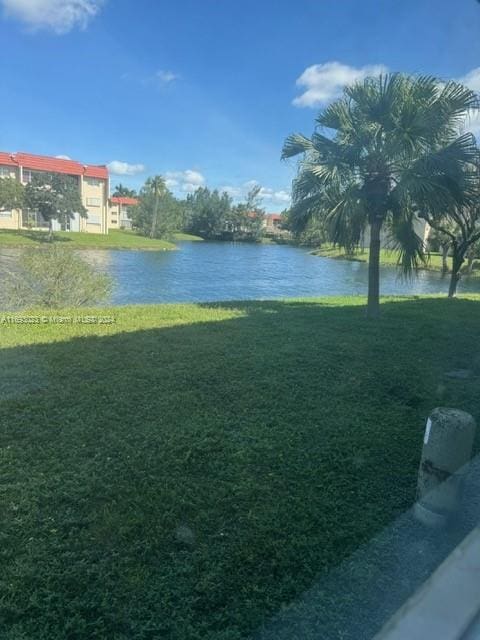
(125, 220)
(422, 229)
(95, 199)
(94, 194)
(114, 216)
(118, 216)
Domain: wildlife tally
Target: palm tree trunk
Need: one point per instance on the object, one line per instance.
(155, 212)
(50, 230)
(373, 303)
(154, 219)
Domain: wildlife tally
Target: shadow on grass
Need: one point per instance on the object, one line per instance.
(190, 481)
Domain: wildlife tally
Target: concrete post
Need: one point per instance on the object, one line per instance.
(447, 449)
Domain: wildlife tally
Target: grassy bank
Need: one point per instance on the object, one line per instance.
(186, 237)
(113, 240)
(387, 258)
(188, 470)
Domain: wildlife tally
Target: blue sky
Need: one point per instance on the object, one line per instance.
(205, 91)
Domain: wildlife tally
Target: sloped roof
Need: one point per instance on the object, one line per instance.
(53, 165)
(7, 159)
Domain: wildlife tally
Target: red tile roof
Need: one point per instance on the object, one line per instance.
(274, 216)
(123, 200)
(7, 159)
(95, 171)
(54, 165)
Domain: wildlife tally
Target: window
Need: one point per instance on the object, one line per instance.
(94, 202)
(27, 175)
(93, 182)
(93, 218)
(5, 172)
(5, 214)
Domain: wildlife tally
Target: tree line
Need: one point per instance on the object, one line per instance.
(207, 213)
(210, 214)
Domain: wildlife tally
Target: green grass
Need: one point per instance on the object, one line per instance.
(186, 237)
(113, 240)
(189, 470)
(387, 258)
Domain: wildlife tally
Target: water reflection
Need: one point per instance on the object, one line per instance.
(222, 271)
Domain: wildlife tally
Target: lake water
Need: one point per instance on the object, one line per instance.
(207, 271)
(203, 271)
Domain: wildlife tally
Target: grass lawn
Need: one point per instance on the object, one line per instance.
(186, 237)
(113, 240)
(387, 258)
(189, 470)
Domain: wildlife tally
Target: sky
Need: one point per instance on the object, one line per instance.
(204, 92)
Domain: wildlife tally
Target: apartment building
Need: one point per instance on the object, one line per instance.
(92, 181)
(119, 212)
(420, 226)
(272, 222)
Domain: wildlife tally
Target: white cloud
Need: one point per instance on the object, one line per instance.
(324, 82)
(63, 157)
(471, 79)
(472, 118)
(273, 196)
(119, 168)
(165, 77)
(59, 16)
(233, 192)
(472, 122)
(157, 80)
(276, 197)
(184, 181)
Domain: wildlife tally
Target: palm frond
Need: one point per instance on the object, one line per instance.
(346, 215)
(295, 144)
(303, 212)
(337, 115)
(456, 99)
(403, 238)
(438, 179)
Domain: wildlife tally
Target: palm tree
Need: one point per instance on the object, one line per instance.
(441, 242)
(395, 147)
(122, 191)
(156, 186)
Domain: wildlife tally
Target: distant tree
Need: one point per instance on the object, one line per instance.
(247, 218)
(53, 278)
(393, 144)
(208, 213)
(158, 213)
(12, 194)
(460, 223)
(438, 241)
(472, 255)
(122, 191)
(55, 196)
(253, 205)
(313, 234)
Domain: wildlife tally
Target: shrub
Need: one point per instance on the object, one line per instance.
(54, 277)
